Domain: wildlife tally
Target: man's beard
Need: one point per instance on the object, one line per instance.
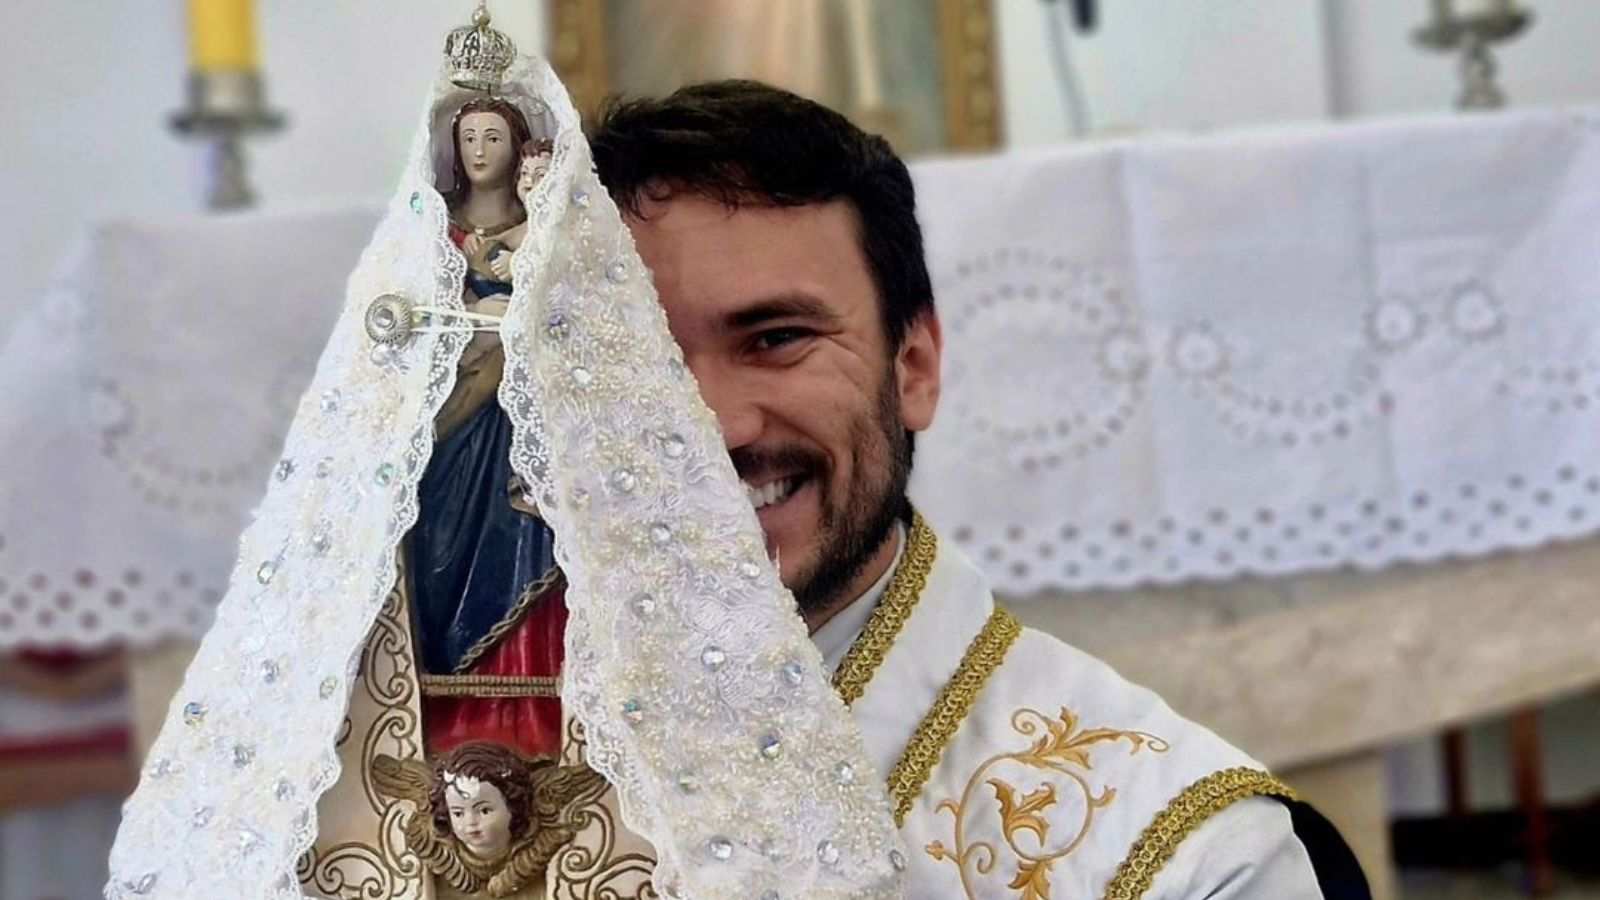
(855, 526)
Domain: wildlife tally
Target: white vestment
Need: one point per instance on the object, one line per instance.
(1060, 765)
(1045, 771)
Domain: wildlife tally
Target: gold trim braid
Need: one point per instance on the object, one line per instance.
(490, 685)
(535, 589)
(861, 662)
(955, 700)
(1198, 802)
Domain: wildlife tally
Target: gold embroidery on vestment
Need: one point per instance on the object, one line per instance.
(899, 599)
(1062, 753)
(949, 710)
(1198, 802)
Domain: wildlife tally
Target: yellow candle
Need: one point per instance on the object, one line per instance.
(222, 35)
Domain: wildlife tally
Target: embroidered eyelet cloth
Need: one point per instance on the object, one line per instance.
(1267, 352)
(148, 394)
(1258, 352)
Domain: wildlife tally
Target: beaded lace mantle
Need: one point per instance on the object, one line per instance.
(703, 699)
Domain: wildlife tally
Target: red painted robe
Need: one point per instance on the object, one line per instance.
(531, 649)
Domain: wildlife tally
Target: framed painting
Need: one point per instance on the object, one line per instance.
(921, 73)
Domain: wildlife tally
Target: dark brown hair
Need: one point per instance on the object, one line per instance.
(747, 143)
(491, 763)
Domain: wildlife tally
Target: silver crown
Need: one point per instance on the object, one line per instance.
(479, 55)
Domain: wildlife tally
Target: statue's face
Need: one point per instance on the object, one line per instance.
(533, 169)
(481, 820)
(486, 148)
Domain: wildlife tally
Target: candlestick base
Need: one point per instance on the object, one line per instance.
(1473, 35)
(225, 106)
(1478, 89)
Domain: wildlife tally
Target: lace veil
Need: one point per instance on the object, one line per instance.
(703, 699)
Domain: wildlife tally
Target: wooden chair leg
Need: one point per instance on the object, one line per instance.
(1527, 764)
(1453, 750)
(1454, 746)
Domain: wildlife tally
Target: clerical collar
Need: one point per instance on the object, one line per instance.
(836, 635)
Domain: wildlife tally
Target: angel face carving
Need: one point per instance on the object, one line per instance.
(487, 820)
(480, 792)
(479, 815)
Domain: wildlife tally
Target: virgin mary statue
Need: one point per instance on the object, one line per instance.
(398, 593)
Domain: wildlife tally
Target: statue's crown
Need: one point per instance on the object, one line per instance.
(479, 55)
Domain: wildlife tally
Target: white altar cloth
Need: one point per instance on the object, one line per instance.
(148, 392)
(1262, 352)
(1267, 352)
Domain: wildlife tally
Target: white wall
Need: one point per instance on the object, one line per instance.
(1163, 64)
(86, 90)
(1553, 62)
(1200, 64)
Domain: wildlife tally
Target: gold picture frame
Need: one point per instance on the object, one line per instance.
(967, 75)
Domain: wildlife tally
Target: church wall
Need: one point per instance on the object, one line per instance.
(1155, 65)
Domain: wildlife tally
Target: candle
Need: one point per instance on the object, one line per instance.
(222, 35)
(864, 56)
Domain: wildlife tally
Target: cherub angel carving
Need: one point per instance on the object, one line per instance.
(486, 820)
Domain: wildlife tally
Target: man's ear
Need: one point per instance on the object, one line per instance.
(917, 366)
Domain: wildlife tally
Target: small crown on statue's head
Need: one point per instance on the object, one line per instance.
(479, 55)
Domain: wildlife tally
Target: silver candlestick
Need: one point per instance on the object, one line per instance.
(225, 106)
(1472, 33)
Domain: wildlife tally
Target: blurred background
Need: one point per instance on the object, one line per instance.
(1309, 283)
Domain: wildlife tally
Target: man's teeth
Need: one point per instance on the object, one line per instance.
(769, 493)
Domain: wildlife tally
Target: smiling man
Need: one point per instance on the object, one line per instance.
(784, 245)
(757, 214)
(778, 318)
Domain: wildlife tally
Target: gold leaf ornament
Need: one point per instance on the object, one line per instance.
(1023, 814)
(1033, 880)
(1063, 753)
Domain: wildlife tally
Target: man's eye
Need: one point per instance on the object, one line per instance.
(774, 338)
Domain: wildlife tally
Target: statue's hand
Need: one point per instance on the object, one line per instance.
(501, 266)
(472, 244)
